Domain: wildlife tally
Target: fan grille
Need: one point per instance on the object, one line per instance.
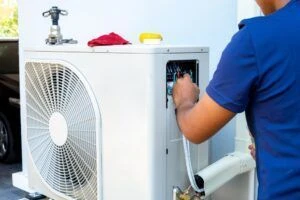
(71, 167)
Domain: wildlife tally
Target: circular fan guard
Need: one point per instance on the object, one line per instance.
(70, 167)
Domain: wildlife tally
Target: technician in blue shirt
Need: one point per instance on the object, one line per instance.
(259, 73)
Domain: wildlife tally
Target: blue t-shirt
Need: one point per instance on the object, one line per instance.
(259, 73)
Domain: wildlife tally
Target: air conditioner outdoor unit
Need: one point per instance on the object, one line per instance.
(100, 122)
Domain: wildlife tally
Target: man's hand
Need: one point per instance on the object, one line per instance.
(185, 92)
(251, 147)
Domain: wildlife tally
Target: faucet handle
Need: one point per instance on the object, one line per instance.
(54, 12)
(63, 12)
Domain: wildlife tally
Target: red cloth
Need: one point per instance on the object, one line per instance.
(110, 39)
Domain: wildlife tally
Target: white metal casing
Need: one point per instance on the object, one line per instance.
(129, 85)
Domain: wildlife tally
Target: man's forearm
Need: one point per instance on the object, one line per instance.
(200, 121)
(184, 119)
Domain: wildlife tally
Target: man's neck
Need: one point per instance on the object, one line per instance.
(280, 4)
(271, 6)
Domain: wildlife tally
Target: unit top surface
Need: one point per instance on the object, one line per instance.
(133, 49)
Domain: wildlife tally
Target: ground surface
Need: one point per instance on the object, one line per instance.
(7, 191)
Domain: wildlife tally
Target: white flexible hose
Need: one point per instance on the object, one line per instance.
(188, 163)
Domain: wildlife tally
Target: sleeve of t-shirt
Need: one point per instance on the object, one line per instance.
(235, 78)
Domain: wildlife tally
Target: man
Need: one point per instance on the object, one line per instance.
(259, 73)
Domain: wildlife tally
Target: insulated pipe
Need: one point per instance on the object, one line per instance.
(222, 171)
